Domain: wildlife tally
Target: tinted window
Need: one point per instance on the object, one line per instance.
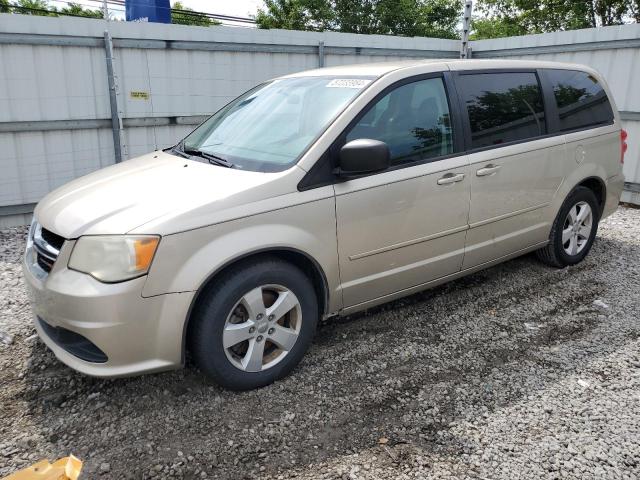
(412, 119)
(503, 107)
(580, 98)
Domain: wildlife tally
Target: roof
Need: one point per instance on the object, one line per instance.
(365, 69)
(382, 68)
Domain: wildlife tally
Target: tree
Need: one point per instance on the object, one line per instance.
(506, 17)
(43, 8)
(184, 18)
(35, 7)
(78, 10)
(495, 28)
(634, 10)
(435, 18)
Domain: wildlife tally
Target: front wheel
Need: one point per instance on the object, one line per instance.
(253, 325)
(573, 230)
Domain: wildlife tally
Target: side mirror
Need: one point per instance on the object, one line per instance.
(362, 156)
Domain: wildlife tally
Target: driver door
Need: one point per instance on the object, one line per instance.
(405, 226)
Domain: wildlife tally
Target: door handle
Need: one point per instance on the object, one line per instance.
(450, 178)
(488, 170)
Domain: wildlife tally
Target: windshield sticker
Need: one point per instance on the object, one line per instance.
(348, 83)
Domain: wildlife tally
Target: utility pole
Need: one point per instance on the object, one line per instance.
(105, 10)
(465, 50)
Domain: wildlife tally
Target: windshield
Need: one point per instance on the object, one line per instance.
(270, 127)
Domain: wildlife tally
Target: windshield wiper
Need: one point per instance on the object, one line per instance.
(213, 159)
(178, 149)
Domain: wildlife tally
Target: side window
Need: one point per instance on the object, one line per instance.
(581, 100)
(413, 120)
(503, 107)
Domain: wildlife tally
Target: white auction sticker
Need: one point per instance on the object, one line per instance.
(348, 83)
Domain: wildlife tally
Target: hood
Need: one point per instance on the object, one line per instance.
(117, 199)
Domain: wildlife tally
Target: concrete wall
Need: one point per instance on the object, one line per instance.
(55, 115)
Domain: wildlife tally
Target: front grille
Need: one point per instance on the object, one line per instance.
(47, 246)
(44, 262)
(74, 343)
(52, 239)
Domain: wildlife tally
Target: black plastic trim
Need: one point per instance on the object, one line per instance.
(52, 239)
(74, 343)
(549, 100)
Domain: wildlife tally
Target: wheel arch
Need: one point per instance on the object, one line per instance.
(598, 187)
(309, 266)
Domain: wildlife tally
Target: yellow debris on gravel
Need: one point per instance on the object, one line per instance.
(67, 468)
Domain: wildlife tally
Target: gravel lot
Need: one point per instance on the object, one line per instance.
(520, 371)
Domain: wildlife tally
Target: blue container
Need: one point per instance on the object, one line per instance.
(158, 11)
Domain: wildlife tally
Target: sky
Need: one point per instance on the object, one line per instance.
(239, 8)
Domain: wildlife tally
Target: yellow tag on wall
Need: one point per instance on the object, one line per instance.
(140, 95)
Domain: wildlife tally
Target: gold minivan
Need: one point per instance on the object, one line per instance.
(317, 194)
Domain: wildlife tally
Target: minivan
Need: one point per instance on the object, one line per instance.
(316, 194)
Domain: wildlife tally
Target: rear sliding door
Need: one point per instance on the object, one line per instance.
(516, 166)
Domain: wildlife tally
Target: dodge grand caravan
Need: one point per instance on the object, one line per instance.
(315, 194)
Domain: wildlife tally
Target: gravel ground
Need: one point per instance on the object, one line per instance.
(520, 371)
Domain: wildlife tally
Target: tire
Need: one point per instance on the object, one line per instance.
(238, 306)
(560, 254)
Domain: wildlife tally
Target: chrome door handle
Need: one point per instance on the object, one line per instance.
(451, 178)
(488, 170)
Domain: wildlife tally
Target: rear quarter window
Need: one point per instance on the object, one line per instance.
(581, 100)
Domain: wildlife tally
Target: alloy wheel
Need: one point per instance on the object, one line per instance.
(262, 328)
(577, 228)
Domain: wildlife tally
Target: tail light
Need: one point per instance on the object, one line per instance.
(623, 144)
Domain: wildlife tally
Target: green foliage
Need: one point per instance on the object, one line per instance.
(190, 18)
(295, 15)
(520, 17)
(34, 7)
(634, 10)
(43, 8)
(433, 18)
(495, 28)
(77, 9)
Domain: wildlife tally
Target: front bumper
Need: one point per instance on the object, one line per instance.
(135, 334)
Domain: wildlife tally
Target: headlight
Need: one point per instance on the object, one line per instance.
(114, 258)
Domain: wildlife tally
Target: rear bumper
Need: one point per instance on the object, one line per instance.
(85, 317)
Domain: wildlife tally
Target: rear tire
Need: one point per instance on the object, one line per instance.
(573, 230)
(253, 325)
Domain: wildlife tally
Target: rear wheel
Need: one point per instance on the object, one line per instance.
(573, 231)
(254, 324)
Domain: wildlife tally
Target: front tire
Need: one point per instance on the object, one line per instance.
(573, 231)
(253, 325)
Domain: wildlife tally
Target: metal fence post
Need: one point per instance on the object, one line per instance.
(321, 54)
(465, 50)
(116, 120)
